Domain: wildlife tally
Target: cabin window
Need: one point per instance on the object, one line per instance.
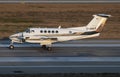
(41, 31)
(56, 31)
(53, 31)
(49, 31)
(45, 31)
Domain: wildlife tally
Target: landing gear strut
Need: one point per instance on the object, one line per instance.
(49, 48)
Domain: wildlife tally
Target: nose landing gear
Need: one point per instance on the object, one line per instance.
(11, 47)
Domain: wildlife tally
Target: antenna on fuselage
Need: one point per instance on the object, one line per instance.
(59, 27)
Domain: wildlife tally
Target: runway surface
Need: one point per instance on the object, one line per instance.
(83, 56)
(81, 48)
(36, 65)
(59, 1)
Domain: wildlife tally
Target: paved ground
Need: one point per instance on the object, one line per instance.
(84, 56)
(61, 51)
(82, 48)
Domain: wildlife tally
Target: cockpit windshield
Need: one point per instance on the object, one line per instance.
(27, 31)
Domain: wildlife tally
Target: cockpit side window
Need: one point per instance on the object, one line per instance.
(27, 31)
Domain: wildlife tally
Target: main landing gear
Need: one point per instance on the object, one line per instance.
(49, 48)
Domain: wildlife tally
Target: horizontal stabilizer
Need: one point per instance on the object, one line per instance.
(103, 15)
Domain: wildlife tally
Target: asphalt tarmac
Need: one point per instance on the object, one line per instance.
(81, 48)
(83, 56)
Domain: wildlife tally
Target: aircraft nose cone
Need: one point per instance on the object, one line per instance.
(15, 36)
(12, 37)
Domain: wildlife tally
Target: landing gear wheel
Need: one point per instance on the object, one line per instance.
(49, 48)
(11, 47)
(44, 46)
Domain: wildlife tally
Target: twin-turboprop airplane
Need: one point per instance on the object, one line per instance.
(47, 36)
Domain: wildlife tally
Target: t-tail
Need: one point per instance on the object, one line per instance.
(97, 23)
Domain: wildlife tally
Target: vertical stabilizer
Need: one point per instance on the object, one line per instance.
(98, 22)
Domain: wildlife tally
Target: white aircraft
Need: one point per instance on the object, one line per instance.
(47, 36)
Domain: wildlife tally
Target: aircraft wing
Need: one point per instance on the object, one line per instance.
(41, 37)
(48, 38)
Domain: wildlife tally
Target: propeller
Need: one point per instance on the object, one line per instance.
(22, 39)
